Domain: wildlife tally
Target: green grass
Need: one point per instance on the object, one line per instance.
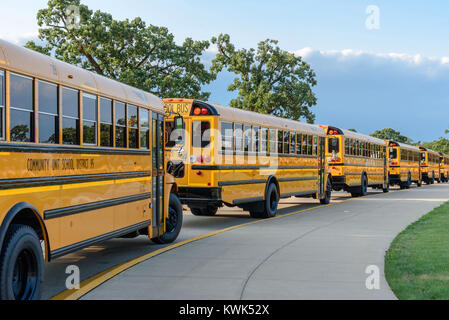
(417, 263)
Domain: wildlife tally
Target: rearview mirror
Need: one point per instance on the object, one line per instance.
(179, 123)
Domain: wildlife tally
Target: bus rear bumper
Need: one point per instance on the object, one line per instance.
(395, 179)
(200, 196)
(338, 183)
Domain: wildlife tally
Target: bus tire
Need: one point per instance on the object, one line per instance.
(387, 188)
(204, 212)
(174, 222)
(409, 181)
(270, 204)
(419, 184)
(328, 193)
(21, 265)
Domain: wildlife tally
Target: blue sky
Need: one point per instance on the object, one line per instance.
(395, 76)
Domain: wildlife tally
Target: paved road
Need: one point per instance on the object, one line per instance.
(321, 254)
(99, 258)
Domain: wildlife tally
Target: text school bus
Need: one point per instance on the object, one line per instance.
(403, 164)
(82, 161)
(430, 166)
(356, 161)
(238, 158)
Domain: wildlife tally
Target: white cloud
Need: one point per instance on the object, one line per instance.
(370, 91)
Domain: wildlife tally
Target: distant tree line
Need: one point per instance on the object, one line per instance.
(440, 145)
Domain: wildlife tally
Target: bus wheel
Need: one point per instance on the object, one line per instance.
(204, 212)
(21, 265)
(387, 188)
(328, 193)
(419, 184)
(173, 223)
(269, 207)
(409, 181)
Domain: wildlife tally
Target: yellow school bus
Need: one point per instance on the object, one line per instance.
(403, 164)
(82, 160)
(356, 161)
(238, 158)
(444, 167)
(430, 165)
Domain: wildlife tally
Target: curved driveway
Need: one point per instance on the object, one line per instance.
(321, 254)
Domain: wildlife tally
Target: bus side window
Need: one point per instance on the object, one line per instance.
(22, 108)
(292, 143)
(133, 127)
(48, 113)
(273, 141)
(248, 139)
(304, 144)
(310, 145)
(256, 139)
(286, 142)
(238, 134)
(89, 119)
(315, 145)
(2, 104)
(280, 142)
(298, 143)
(70, 117)
(145, 128)
(264, 141)
(106, 129)
(227, 138)
(120, 124)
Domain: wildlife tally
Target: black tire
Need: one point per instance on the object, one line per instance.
(21, 265)
(269, 207)
(174, 222)
(387, 188)
(328, 193)
(204, 212)
(419, 184)
(409, 181)
(360, 191)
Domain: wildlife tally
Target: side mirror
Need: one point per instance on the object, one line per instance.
(179, 123)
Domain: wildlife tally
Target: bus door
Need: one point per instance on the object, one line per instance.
(321, 166)
(158, 174)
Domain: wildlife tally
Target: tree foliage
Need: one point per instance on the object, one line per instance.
(145, 57)
(440, 145)
(391, 134)
(269, 80)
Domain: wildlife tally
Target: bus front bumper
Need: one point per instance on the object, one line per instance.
(200, 195)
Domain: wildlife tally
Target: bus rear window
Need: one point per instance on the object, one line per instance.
(200, 134)
(334, 145)
(393, 153)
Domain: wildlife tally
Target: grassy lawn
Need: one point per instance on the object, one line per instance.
(417, 264)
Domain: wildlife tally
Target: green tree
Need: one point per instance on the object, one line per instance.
(391, 134)
(440, 145)
(269, 80)
(145, 57)
(353, 130)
